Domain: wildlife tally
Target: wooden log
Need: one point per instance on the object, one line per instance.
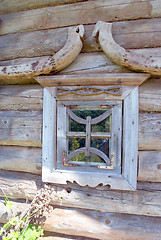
(21, 128)
(149, 131)
(24, 186)
(85, 13)
(17, 5)
(129, 34)
(29, 97)
(150, 96)
(149, 166)
(19, 185)
(24, 159)
(96, 225)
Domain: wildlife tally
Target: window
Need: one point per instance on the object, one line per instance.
(90, 136)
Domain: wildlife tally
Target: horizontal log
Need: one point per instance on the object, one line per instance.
(97, 225)
(150, 96)
(17, 5)
(149, 131)
(78, 13)
(141, 202)
(129, 34)
(24, 159)
(21, 128)
(149, 167)
(29, 97)
(27, 159)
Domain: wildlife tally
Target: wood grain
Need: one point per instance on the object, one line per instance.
(150, 96)
(149, 168)
(129, 34)
(149, 131)
(29, 97)
(97, 225)
(24, 159)
(93, 79)
(21, 128)
(141, 202)
(18, 5)
(78, 13)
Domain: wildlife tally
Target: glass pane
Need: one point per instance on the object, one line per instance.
(101, 144)
(75, 126)
(93, 158)
(83, 113)
(75, 143)
(103, 126)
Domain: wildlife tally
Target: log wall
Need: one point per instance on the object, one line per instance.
(37, 28)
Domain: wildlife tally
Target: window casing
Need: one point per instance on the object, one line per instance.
(122, 104)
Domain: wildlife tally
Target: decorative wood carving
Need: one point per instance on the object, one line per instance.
(121, 56)
(114, 90)
(47, 64)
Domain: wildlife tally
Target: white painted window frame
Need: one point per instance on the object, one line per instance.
(126, 180)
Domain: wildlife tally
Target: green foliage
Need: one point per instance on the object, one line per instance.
(8, 204)
(26, 226)
(13, 230)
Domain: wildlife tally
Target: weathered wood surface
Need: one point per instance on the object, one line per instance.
(128, 34)
(121, 56)
(29, 97)
(142, 202)
(97, 225)
(24, 128)
(150, 96)
(78, 13)
(21, 128)
(149, 131)
(83, 64)
(96, 79)
(24, 159)
(27, 159)
(8, 6)
(46, 64)
(149, 168)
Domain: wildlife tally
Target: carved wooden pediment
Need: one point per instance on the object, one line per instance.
(123, 57)
(46, 64)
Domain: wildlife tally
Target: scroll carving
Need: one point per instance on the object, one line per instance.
(47, 64)
(121, 56)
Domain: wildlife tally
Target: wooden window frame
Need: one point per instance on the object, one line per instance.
(115, 112)
(127, 179)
